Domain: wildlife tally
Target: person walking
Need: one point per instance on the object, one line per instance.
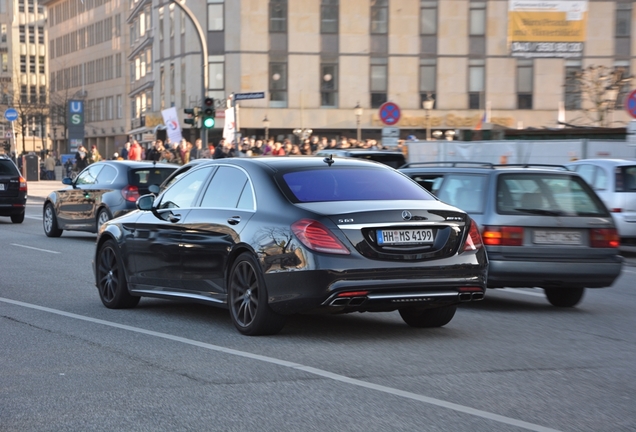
(197, 150)
(93, 155)
(135, 151)
(81, 159)
(49, 166)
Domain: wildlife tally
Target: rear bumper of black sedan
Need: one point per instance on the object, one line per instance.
(376, 290)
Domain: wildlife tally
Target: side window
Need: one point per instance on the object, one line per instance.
(89, 175)
(181, 194)
(600, 181)
(464, 191)
(587, 172)
(107, 175)
(229, 188)
(430, 182)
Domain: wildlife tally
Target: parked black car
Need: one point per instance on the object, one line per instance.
(102, 191)
(13, 190)
(268, 237)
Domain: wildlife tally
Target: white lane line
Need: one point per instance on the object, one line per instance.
(520, 291)
(629, 271)
(34, 248)
(34, 217)
(308, 369)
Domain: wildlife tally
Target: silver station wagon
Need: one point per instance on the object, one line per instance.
(543, 226)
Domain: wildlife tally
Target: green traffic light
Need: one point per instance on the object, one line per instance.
(208, 122)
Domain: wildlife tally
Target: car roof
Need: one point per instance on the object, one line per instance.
(479, 167)
(291, 162)
(605, 162)
(138, 164)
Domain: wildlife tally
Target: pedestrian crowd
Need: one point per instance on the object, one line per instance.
(184, 151)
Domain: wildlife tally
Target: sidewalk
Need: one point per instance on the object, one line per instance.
(39, 190)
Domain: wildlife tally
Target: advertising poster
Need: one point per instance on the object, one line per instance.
(548, 28)
(171, 120)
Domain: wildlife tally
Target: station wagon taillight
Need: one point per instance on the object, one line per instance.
(473, 240)
(503, 236)
(318, 237)
(130, 193)
(604, 238)
(23, 184)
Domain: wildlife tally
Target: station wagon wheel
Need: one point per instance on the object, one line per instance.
(49, 222)
(19, 218)
(426, 318)
(249, 310)
(102, 217)
(111, 278)
(564, 297)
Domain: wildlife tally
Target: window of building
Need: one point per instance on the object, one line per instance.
(23, 66)
(117, 29)
(99, 70)
(428, 79)
(118, 65)
(216, 70)
(379, 16)
(328, 85)
(108, 29)
(22, 30)
(108, 68)
(183, 75)
(172, 84)
(428, 17)
(476, 83)
(572, 88)
(477, 19)
(161, 23)
(5, 62)
(278, 16)
(278, 85)
(120, 106)
(42, 94)
(34, 94)
(623, 19)
(149, 60)
(24, 96)
(329, 16)
(32, 34)
(99, 109)
(81, 38)
(3, 33)
(215, 17)
(41, 64)
(525, 86)
(41, 35)
(379, 81)
(622, 67)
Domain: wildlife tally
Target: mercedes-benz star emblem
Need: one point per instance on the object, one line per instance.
(406, 215)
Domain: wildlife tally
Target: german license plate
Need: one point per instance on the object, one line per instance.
(557, 237)
(405, 237)
(1, 186)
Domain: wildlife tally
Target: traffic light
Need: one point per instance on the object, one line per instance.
(191, 116)
(208, 113)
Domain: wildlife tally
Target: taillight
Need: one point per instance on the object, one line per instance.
(473, 239)
(130, 193)
(503, 236)
(318, 237)
(604, 238)
(616, 210)
(23, 184)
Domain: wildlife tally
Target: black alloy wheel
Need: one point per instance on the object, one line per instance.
(49, 222)
(426, 318)
(564, 297)
(249, 310)
(111, 278)
(19, 218)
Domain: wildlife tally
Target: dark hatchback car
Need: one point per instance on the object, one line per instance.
(102, 191)
(542, 225)
(13, 190)
(268, 237)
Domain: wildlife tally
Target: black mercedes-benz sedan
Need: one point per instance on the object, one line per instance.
(273, 236)
(102, 191)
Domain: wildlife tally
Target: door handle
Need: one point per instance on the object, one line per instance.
(234, 220)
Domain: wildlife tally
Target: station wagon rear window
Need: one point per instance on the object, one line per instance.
(545, 194)
(351, 184)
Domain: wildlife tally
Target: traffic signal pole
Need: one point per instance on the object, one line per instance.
(204, 54)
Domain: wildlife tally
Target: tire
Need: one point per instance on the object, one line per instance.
(19, 218)
(426, 318)
(564, 297)
(49, 222)
(111, 278)
(247, 299)
(102, 217)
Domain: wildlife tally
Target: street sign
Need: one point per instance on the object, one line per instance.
(244, 96)
(389, 113)
(11, 114)
(8, 134)
(630, 104)
(390, 136)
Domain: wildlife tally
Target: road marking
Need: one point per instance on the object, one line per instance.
(34, 248)
(521, 291)
(291, 365)
(629, 271)
(34, 217)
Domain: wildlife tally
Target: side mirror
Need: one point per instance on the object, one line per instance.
(154, 189)
(145, 202)
(67, 181)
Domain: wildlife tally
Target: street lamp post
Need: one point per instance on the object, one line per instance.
(427, 104)
(34, 130)
(358, 113)
(54, 147)
(266, 126)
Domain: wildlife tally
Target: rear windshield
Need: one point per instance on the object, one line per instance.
(545, 194)
(351, 184)
(464, 191)
(8, 168)
(626, 179)
(145, 177)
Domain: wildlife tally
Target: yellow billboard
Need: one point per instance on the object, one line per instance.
(550, 28)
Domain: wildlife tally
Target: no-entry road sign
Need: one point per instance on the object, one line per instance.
(390, 113)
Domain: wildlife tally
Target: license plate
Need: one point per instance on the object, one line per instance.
(557, 237)
(1, 186)
(405, 237)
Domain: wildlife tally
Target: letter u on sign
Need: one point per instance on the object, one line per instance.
(76, 106)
